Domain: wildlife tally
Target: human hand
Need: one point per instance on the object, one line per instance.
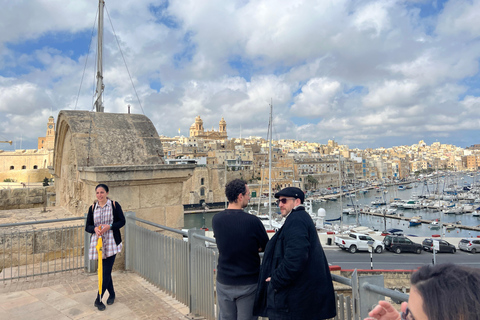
(385, 311)
(104, 228)
(268, 279)
(98, 231)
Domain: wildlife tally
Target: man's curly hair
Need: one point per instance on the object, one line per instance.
(234, 188)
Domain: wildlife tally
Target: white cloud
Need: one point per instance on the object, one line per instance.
(460, 19)
(369, 69)
(318, 98)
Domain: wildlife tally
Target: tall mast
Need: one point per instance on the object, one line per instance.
(270, 167)
(341, 191)
(100, 86)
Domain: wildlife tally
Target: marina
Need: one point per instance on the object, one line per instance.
(431, 220)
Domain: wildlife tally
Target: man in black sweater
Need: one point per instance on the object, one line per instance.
(240, 237)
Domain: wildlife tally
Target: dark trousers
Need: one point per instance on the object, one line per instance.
(107, 275)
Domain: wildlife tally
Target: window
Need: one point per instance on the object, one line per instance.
(35, 167)
(24, 167)
(12, 167)
(202, 192)
(202, 181)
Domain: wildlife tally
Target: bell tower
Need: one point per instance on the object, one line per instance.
(48, 142)
(50, 138)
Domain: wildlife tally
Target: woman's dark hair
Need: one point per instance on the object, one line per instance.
(101, 185)
(234, 188)
(449, 291)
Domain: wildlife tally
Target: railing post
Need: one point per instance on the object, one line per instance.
(129, 239)
(193, 273)
(355, 297)
(90, 265)
(367, 298)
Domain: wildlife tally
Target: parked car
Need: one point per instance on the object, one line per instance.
(399, 244)
(444, 246)
(398, 232)
(358, 242)
(469, 244)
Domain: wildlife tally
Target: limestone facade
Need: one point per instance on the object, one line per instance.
(30, 165)
(197, 130)
(25, 165)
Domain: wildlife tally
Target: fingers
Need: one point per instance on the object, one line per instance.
(384, 311)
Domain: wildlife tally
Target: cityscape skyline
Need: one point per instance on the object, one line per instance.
(367, 74)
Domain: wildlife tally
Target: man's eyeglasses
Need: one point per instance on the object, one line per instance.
(284, 200)
(407, 315)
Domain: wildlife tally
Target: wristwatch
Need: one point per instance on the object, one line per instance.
(110, 227)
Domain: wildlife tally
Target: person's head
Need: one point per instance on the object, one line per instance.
(445, 292)
(289, 198)
(238, 192)
(101, 192)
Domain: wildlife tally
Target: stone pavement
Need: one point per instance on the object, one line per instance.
(71, 295)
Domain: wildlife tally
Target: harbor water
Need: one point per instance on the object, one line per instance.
(333, 211)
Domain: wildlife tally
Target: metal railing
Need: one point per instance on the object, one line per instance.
(26, 253)
(181, 263)
(190, 266)
(366, 292)
(184, 269)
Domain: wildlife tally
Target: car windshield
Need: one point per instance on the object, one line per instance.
(464, 241)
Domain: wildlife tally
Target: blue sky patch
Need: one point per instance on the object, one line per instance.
(429, 8)
(156, 85)
(73, 45)
(162, 16)
(244, 67)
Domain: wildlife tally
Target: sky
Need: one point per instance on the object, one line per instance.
(366, 73)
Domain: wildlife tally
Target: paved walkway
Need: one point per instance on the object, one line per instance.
(71, 296)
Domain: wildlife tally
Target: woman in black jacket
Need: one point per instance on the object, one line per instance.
(104, 219)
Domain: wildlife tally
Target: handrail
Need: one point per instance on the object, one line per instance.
(183, 233)
(342, 280)
(16, 224)
(396, 295)
(198, 236)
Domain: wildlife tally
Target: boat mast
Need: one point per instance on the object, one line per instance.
(270, 166)
(341, 191)
(100, 86)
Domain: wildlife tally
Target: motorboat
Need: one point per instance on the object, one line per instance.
(268, 223)
(415, 221)
(378, 201)
(434, 225)
(450, 227)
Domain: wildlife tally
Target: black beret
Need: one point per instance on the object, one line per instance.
(292, 192)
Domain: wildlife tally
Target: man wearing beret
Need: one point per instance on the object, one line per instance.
(295, 280)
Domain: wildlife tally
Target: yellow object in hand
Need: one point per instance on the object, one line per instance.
(100, 263)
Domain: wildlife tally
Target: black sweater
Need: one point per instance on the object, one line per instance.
(239, 237)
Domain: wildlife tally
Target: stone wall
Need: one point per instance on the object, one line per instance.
(26, 176)
(29, 159)
(25, 197)
(213, 184)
